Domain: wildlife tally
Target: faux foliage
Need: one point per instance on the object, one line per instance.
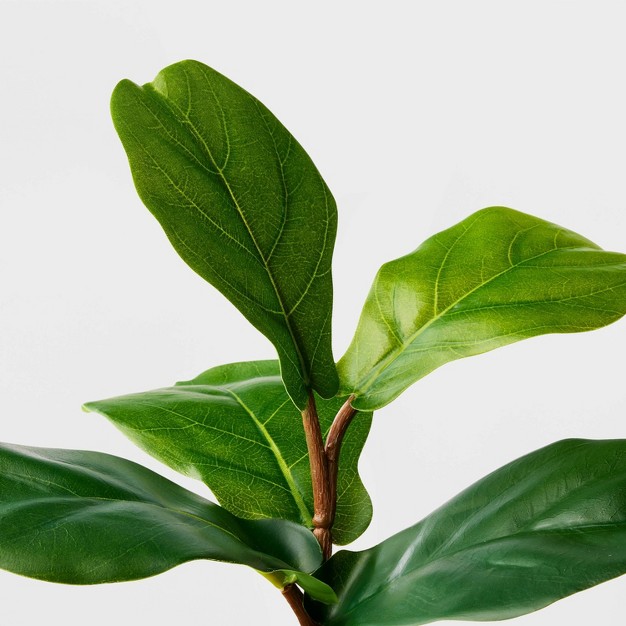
(232, 427)
(278, 441)
(497, 277)
(538, 529)
(243, 205)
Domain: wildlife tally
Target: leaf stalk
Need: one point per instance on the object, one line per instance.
(337, 431)
(322, 504)
(295, 598)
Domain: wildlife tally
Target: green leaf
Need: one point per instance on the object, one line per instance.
(541, 528)
(497, 277)
(313, 586)
(242, 204)
(80, 517)
(234, 428)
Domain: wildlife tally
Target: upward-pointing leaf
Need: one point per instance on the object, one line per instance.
(496, 277)
(243, 205)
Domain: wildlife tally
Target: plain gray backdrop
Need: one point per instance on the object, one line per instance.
(417, 114)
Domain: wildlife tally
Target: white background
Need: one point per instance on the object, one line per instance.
(417, 114)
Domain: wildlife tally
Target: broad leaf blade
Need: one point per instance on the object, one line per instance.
(243, 205)
(86, 517)
(541, 528)
(234, 428)
(497, 277)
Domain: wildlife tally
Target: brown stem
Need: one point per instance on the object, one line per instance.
(322, 503)
(294, 596)
(333, 448)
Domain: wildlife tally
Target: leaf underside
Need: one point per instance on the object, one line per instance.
(242, 204)
(497, 277)
(81, 517)
(541, 528)
(234, 428)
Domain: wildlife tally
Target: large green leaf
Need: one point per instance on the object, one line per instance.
(543, 527)
(497, 277)
(234, 428)
(85, 517)
(243, 205)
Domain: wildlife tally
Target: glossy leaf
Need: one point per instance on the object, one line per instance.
(85, 517)
(541, 528)
(497, 277)
(243, 205)
(234, 428)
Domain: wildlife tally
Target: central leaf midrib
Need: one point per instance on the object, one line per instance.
(305, 514)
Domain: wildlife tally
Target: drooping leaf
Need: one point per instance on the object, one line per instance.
(234, 428)
(496, 277)
(243, 205)
(85, 517)
(541, 528)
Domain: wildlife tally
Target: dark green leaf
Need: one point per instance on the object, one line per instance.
(234, 428)
(243, 205)
(541, 528)
(86, 517)
(497, 277)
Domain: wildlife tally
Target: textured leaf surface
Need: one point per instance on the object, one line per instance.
(234, 428)
(497, 277)
(86, 517)
(243, 205)
(543, 527)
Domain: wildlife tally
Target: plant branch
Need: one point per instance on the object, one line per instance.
(295, 598)
(334, 440)
(322, 502)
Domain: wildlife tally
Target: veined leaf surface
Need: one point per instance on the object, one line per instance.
(497, 277)
(243, 205)
(234, 428)
(541, 528)
(81, 517)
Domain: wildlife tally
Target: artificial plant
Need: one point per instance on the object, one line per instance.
(278, 441)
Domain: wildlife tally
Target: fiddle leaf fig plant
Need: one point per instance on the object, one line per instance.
(278, 441)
